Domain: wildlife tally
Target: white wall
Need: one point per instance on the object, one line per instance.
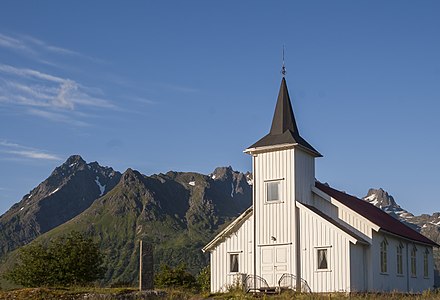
(274, 219)
(391, 281)
(304, 176)
(238, 242)
(358, 266)
(317, 232)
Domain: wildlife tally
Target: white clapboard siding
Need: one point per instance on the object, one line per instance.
(359, 268)
(275, 219)
(239, 242)
(316, 232)
(390, 280)
(345, 216)
(304, 176)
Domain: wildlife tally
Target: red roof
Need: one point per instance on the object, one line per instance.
(375, 215)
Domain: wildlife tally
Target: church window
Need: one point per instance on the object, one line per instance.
(414, 261)
(383, 256)
(273, 190)
(400, 259)
(425, 263)
(322, 259)
(233, 263)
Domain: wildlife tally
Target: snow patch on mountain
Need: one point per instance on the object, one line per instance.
(56, 190)
(100, 186)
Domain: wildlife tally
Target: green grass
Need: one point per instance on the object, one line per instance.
(93, 293)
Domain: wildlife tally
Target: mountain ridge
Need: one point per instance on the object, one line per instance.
(69, 190)
(178, 212)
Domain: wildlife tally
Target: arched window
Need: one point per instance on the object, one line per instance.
(384, 256)
(425, 263)
(414, 261)
(400, 259)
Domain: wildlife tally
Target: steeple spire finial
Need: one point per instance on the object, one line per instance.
(283, 69)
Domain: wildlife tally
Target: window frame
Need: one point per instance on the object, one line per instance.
(279, 182)
(399, 258)
(413, 261)
(383, 260)
(327, 257)
(230, 255)
(426, 263)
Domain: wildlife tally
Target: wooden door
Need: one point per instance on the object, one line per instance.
(274, 263)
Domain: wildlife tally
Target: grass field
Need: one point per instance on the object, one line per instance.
(133, 294)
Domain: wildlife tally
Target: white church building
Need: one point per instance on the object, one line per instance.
(302, 234)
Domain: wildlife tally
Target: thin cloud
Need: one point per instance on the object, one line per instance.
(38, 48)
(12, 43)
(29, 73)
(48, 47)
(56, 117)
(20, 151)
(28, 87)
(34, 155)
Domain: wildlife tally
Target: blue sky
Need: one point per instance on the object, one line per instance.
(188, 85)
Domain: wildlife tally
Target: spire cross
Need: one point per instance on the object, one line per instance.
(283, 69)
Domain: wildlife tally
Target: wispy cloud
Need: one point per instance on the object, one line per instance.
(51, 97)
(12, 43)
(19, 151)
(37, 48)
(34, 155)
(56, 117)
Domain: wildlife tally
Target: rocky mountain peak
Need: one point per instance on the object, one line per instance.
(131, 176)
(75, 159)
(222, 173)
(381, 198)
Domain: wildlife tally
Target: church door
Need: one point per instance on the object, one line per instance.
(274, 263)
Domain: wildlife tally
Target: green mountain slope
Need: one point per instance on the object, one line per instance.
(68, 191)
(177, 212)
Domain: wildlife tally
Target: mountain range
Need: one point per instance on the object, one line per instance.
(178, 212)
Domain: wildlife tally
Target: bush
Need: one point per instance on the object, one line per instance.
(204, 279)
(67, 260)
(168, 277)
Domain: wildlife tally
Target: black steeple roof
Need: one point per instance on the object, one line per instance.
(284, 129)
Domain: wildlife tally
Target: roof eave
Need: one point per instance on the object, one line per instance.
(352, 237)
(269, 148)
(281, 147)
(229, 228)
(433, 244)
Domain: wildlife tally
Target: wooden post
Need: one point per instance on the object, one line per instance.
(146, 268)
(140, 265)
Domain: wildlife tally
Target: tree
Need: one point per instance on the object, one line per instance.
(68, 260)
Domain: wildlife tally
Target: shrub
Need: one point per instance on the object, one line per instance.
(68, 260)
(168, 277)
(204, 279)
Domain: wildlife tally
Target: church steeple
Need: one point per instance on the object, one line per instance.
(283, 118)
(284, 129)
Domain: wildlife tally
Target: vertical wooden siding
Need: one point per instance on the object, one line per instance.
(276, 219)
(304, 176)
(316, 232)
(239, 242)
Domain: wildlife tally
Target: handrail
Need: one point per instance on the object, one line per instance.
(288, 281)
